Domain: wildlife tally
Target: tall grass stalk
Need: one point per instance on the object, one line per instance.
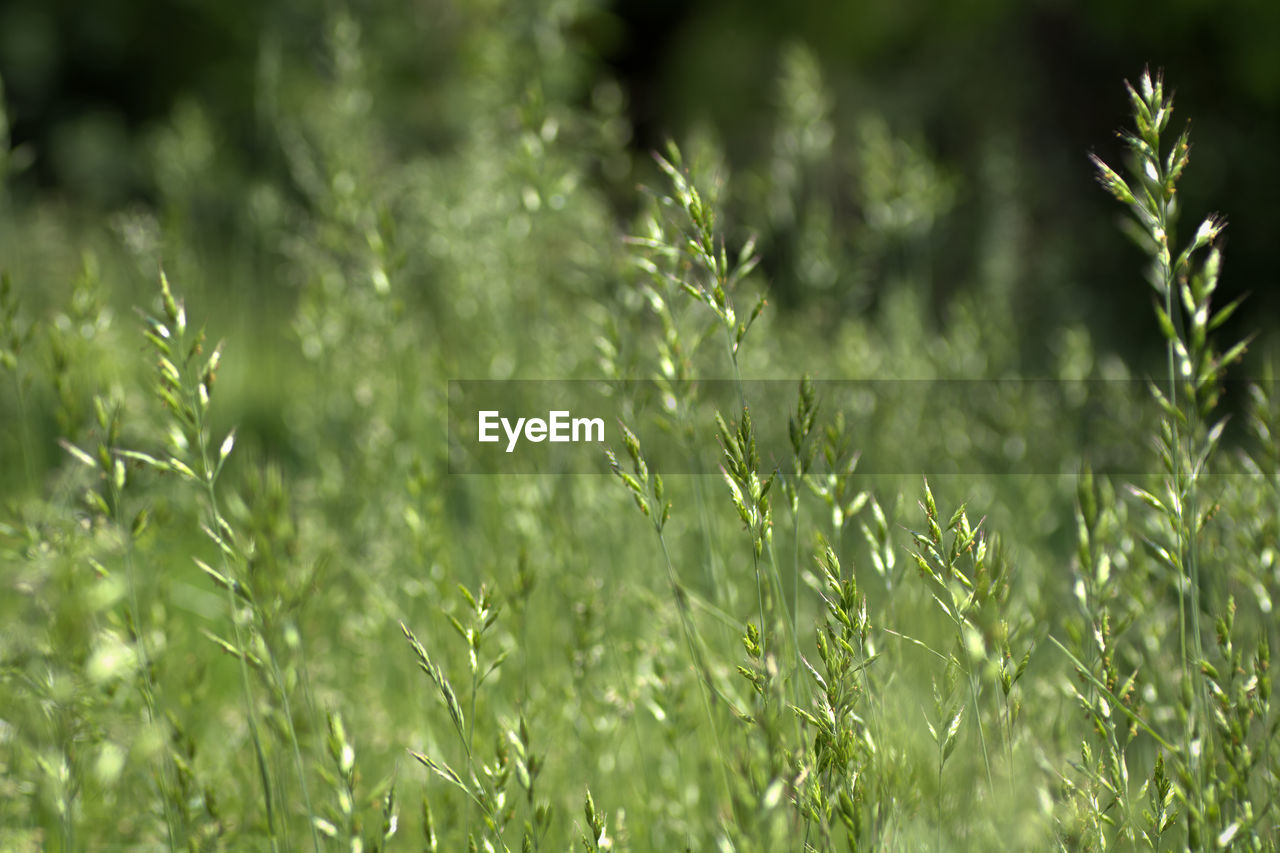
(1185, 284)
(185, 386)
(109, 422)
(706, 253)
(14, 337)
(650, 498)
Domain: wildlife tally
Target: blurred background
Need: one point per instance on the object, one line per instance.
(1003, 98)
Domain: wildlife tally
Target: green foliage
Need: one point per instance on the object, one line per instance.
(248, 605)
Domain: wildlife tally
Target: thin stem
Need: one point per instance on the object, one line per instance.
(764, 629)
(742, 407)
(791, 625)
(211, 495)
(645, 790)
(1173, 312)
(1185, 482)
(471, 731)
(737, 372)
(1115, 700)
(1008, 742)
(24, 436)
(1193, 557)
(704, 520)
(293, 740)
(254, 732)
(982, 737)
(144, 656)
(941, 761)
(795, 567)
(775, 578)
(708, 687)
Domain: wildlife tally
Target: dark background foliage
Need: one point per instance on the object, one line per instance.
(1038, 81)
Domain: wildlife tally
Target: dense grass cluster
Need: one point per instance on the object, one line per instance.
(246, 606)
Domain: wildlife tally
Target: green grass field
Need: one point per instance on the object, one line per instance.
(252, 599)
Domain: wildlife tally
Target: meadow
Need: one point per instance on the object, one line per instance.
(253, 601)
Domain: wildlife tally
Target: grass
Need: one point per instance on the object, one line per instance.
(305, 632)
